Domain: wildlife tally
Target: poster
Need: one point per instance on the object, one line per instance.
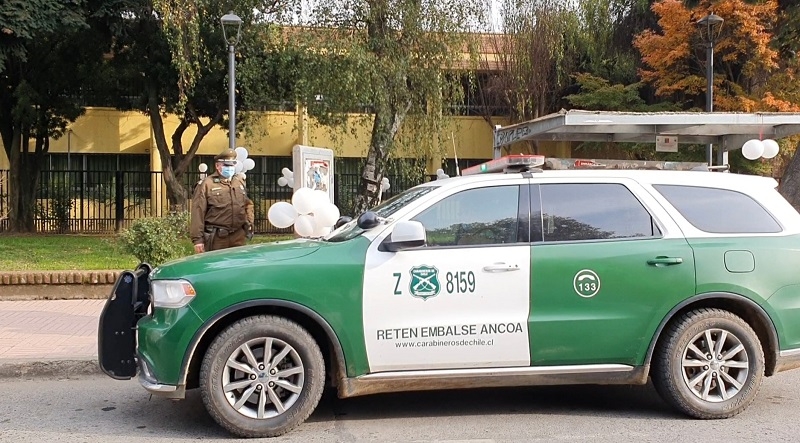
(313, 168)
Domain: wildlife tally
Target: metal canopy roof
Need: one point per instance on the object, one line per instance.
(729, 130)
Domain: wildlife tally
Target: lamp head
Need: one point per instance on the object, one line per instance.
(231, 27)
(710, 27)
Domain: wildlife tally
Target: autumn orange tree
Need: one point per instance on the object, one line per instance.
(746, 64)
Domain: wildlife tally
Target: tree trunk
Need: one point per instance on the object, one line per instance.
(385, 126)
(174, 162)
(24, 180)
(790, 182)
(176, 193)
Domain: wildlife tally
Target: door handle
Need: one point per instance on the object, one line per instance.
(500, 267)
(665, 261)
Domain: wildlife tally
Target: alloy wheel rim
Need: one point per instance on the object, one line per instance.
(263, 378)
(715, 365)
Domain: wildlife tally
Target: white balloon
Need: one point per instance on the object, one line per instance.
(286, 172)
(752, 149)
(321, 198)
(243, 175)
(249, 164)
(440, 172)
(321, 231)
(203, 167)
(281, 214)
(304, 225)
(326, 215)
(239, 167)
(771, 148)
(385, 186)
(241, 153)
(303, 200)
(290, 180)
(282, 181)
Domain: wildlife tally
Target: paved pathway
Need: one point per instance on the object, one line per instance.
(49, 330)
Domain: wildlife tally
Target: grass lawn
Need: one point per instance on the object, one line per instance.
(44, 252)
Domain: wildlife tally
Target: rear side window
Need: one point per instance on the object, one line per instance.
(719, 211)
(592, 211)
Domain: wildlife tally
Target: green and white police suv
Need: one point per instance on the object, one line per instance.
(493, 279)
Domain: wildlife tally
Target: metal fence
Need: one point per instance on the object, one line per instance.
(80, 201)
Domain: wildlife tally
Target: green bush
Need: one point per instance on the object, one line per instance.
(157, 240)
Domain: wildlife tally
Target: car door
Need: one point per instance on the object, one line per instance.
(460, 301)
(607, 265)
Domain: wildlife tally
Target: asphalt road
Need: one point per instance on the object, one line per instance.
(98, 409)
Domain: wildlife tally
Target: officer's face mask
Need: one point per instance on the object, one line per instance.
(228, 171)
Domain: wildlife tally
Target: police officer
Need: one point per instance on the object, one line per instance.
(222, 214)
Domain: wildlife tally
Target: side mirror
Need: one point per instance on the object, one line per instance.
(405, 234)
(368, 220)
(342, 221)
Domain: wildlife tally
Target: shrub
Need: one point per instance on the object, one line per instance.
(157, 240)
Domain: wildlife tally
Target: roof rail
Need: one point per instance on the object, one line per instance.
(580, 163)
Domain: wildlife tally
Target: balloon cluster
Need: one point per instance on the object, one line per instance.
(753, 149)
(441, 175)
(287, 179)
(243, 163)
(385, 184)
(311, 212)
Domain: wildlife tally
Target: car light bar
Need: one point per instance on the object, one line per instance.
(509, 163)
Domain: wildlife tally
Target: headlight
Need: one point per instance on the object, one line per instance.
(171, 293)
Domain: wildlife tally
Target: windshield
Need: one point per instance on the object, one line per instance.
(384, 210)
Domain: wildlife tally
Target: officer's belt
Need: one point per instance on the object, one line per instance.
(221, 232)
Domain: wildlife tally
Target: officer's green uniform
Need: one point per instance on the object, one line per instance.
(222, 215)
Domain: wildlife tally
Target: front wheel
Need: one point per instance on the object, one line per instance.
(262, 376)
(709, 365)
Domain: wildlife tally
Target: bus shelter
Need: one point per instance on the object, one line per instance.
(726, 131)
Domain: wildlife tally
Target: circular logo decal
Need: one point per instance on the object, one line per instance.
(586, 283)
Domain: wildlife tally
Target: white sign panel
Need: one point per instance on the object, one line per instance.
(313, 168)
(666, 143)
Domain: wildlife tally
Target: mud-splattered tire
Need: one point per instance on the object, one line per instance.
(709, 364)
(262, 376)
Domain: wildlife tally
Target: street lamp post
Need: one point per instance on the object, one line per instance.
(710, 28)
(231, 27)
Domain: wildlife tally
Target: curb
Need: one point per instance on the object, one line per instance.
(56, 285)
(49, 369)
(107, 277)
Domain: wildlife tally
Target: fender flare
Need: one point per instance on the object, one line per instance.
(208, 324)
(757, 309)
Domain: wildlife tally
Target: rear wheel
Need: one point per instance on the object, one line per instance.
(709, 365)
(262, 376)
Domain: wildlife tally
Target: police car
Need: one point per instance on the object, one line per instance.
(490, 279)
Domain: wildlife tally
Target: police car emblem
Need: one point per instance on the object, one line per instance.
(424, 281)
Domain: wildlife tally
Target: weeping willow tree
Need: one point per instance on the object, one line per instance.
(529, 60)
(398, 63)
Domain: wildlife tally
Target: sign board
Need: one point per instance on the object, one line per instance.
(313, 168)
(666, 143)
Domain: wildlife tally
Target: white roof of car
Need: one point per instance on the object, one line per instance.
(689, 178)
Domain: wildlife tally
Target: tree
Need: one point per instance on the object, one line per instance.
(395, 57)
(744, 59)
(530, 60)
(173, 53)
(40, 38)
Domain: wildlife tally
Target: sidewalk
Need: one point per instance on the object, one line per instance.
(48, 336)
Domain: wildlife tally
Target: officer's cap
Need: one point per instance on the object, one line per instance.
(227, 157)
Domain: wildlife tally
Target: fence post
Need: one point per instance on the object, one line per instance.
(119, 200)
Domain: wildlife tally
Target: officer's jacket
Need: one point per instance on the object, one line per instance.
(221, 203)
